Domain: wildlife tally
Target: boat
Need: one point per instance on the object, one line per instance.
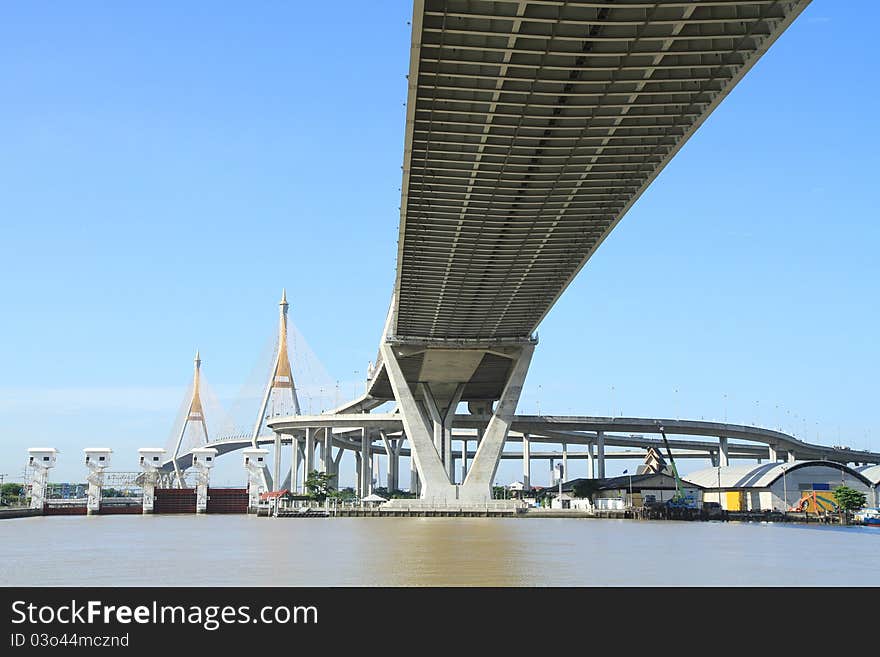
(869, 516)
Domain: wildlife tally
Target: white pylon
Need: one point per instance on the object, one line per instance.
(281, 378)
(194, 414)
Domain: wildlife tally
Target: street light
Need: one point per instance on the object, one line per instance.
(630, 486)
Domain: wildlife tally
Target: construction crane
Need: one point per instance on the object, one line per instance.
(678, 500)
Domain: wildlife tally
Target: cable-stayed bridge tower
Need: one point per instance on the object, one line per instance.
(195, 414)
(282, 385)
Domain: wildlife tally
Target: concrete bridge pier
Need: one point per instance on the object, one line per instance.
(336, 460)
(440, 387)
(464, 459)
(366, 474)
(527, 460)
(723, 452)
(309, 461)
(392, 463)
(414, 484)
(591, 466)
(295, 459)
(600, 454)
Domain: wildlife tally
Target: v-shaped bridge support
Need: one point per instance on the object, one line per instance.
(428, 419)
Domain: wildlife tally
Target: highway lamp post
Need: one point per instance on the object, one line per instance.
(719, 481)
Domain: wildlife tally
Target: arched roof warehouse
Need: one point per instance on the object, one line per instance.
(765, 474)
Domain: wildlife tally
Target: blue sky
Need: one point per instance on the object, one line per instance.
(165, 170)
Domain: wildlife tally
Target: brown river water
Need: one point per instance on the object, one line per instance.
(233, 550)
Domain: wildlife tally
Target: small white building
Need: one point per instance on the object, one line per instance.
(151, 457)
(566, 501)
(777, 486)
(43, 457)
(97, 457)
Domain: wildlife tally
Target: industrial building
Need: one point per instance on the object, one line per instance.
(872, 474)
(779, 486)
(636, 490)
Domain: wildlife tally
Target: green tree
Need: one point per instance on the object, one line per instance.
(343, 495)
(11, 490)
(319, 485)
(849, 499)
(585, 488)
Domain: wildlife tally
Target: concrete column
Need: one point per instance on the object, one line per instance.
(366, 464)
(527, 461)
(414, 486)
(600, 454)
(790, 457)
(564, 461)
(327, 451)
(723, 453)
(478, 487)
(395, 465)
(774, 456)
(294, 463)
(359, 479)
(448, 459)
(713, 458)
(309, 463)
(336, 460)
(464, 445)
(392, 451)
(433, 476)
(389, 463)
(276, 466)
(591, 466)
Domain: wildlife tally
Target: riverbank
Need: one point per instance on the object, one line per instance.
(19, 512)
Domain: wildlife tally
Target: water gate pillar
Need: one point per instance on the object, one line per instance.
(150, 460)
(254, 462)
(40, 461)
(203, 462)
(97, 461)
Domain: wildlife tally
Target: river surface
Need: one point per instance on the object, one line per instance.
(233, 550)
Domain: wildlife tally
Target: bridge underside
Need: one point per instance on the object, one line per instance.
(532, 127)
